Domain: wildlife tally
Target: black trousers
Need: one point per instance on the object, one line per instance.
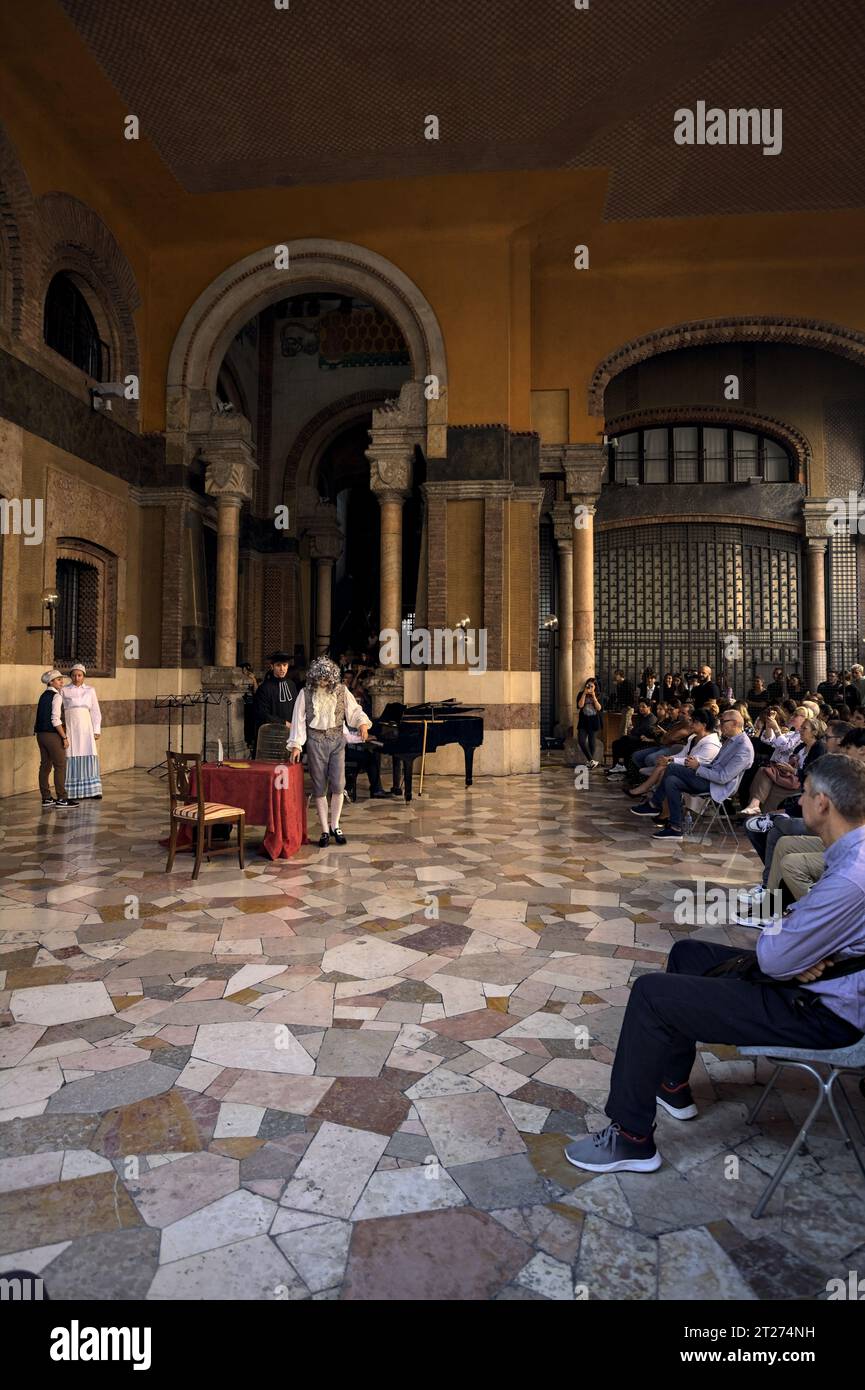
(669, 1013)
(626, 745)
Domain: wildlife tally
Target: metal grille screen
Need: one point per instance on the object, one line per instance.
(547, 639)
(672, 596)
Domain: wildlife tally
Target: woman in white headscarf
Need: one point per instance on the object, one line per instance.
(83, 720)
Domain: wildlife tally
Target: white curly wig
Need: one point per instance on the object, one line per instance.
(323, 672)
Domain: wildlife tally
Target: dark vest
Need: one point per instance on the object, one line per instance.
(43, 723)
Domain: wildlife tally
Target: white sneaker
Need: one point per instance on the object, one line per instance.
(614, 771)
(760, 824)
(593, 763)
(751, 895)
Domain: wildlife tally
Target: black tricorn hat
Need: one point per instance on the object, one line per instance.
(279, 656)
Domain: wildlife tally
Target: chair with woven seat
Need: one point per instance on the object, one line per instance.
(840, 1061)
(188, 808)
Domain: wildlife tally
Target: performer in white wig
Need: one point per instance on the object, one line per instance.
(83, 719)
(320, 711)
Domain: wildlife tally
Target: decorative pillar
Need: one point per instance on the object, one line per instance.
(397, 428)
(584, 466)
(563, 530)
(818, 528)
(229, 480)
(228, 451)
(325, 549)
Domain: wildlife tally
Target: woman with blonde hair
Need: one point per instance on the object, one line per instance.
(83, 719)
(778, 780)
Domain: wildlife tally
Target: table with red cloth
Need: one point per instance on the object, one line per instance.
(277, 802)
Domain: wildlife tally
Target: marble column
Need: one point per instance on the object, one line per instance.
(325, 541)
(584, 466)
(390, 480)
(818, 528)
(229, 480)
(563, 530)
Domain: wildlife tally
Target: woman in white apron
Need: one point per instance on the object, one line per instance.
(83, 721)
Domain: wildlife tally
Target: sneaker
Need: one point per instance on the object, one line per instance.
(759, 824)
(677, 1101)
(613, 1150)
(669, 832)
(751, 895)
(337, 836)
(644, 811)
(46, 802)
(324, 840)
(66, 801)
(593, 764)
(616, 771)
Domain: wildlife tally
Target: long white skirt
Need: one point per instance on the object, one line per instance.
(82, 760)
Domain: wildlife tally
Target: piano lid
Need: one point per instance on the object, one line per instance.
(447, 709)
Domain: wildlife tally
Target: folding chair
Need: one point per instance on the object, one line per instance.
(841, 1060)
(699, 805)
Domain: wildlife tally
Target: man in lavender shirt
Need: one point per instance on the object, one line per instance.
(669, 1013)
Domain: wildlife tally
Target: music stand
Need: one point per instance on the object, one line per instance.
(183, 703)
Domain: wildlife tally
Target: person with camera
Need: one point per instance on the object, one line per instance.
(589, 720)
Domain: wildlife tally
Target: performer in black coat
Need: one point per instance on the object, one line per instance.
(273, 701)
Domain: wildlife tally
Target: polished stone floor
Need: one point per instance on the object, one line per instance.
(351, 1075)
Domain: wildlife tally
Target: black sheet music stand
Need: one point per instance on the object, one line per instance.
(183, 703)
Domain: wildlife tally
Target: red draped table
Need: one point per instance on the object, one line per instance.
(271, 794)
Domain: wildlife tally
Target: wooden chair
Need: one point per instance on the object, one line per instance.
(195, 811)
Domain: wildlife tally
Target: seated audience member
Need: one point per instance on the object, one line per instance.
(842, 711)
(776, 736)
(801, 964)
(706, 689)
(857, 718)
(717, 779)
(642, 735)
(795, 689)
(758, 696)
(703, 744)
(673, 741)
(785, 771)
(745, 712)
(622, 693)
(764, 832)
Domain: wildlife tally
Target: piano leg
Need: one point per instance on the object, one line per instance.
(469, 755)
(408, 771)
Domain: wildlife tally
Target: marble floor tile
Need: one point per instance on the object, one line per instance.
(237, 1216)
(469, 1128)
(252, 1270)
(254, 1046)
(425, 1188)
(334, 1170)
(318, 1253)
(65, 1003)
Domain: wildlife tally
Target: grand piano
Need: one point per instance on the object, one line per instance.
(409, 732)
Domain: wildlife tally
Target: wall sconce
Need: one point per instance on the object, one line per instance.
(464, 623)
(550, 623)
(50, 600)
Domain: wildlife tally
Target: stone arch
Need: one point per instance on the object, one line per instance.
(17, 234)
(731, 417)
(305, 453)
(76, 240)
(789, 332)
(251, 284)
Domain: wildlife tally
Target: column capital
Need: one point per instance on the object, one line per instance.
(322, 534)
(391, 468)
(817, 545)
(583, 466)
(229, 454)
(819, 521)
(563, 524)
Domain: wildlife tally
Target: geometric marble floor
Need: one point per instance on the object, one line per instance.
(350, 1075)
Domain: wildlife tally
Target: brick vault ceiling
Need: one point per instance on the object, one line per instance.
(241, 95)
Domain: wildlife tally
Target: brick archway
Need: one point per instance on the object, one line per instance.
(788, 332)
(729, 417)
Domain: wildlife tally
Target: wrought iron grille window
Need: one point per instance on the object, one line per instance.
(70, 329)
(697, 454)
(76, 634)
(547, 640)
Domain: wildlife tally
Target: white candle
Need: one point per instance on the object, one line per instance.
(219, 750)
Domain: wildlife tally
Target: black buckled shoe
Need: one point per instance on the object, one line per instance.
(324, 840)
(337, 835)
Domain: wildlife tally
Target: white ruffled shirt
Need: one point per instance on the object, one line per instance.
(323, 715)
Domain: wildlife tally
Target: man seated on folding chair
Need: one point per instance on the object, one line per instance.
(717, 779)
(809, 990)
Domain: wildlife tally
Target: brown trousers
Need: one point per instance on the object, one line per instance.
(52, 754)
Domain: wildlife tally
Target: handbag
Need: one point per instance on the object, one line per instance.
(788, 781)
